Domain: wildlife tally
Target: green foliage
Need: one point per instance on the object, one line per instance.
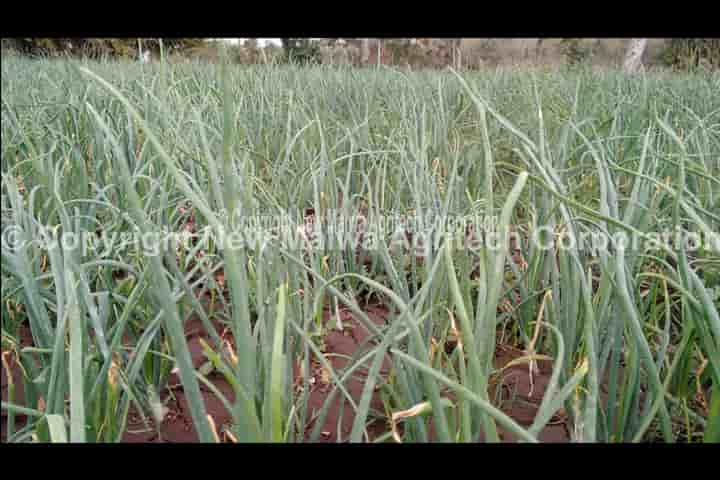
(403, 52)
(576, 51)
(690, 53)
(118, 147)
(99, 47)
(301, 50)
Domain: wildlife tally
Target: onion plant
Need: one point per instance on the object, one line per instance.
(109, 152)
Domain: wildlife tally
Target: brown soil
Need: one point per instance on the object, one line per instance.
(519, 394)
(177, 425)
(340, 344)
(513, 390)
(20, 420)
(17, 377)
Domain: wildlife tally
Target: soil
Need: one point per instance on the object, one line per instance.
(338, 345)
(16, 373)
(512, 391)
(519, 394)
(177, 424)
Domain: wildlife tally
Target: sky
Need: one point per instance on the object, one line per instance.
(261, 41)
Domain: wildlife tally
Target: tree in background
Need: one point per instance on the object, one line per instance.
(364, 51)
(678, 53)
(634, 55)
(301, 50)
(689, 53)
(99, 47)
(457, 53)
